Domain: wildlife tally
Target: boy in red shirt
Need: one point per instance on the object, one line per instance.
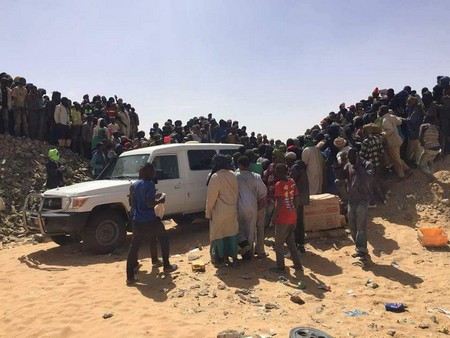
(285, 217)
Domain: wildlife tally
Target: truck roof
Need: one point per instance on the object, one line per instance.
(177, 146)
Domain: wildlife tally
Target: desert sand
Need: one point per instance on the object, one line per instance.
(48, 291)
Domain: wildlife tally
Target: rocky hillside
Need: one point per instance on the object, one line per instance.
(22, 169)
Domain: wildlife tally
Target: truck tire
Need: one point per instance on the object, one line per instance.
(64, 240)
(104, 232)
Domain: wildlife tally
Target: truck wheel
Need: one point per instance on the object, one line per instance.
(104, 232)
(64, 240)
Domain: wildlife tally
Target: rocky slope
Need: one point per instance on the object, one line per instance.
(22, 169)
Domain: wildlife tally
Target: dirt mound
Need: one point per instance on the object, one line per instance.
(22, 169)
(416, 202)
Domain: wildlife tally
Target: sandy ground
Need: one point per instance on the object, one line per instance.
(46, 291)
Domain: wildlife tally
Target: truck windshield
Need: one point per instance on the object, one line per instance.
(128, 167)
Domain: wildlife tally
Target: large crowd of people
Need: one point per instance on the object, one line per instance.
(350, 153)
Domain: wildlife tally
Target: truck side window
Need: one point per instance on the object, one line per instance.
(166, 167)
(227, 151)
(200, 159)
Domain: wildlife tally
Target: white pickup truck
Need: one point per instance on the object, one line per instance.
(97, 212)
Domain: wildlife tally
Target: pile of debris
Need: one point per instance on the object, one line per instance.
(22, 170)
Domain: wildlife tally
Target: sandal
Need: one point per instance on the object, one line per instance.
(171, 268)
(157, 264)
(131, 281)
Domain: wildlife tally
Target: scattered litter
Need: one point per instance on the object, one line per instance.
(320, 309)
(356, 313)
(194, 256)
(324, 287)
(301, 285)
(438, 309)
(395, 307)
(371, 284)
(198, 266)
(395, 264)
(443, 329)
(282, 279)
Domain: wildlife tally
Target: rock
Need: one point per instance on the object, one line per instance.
(434, 319)
(423, 326)
(253, 299)
(297, 300)
(373, 326)
(23, 170)
(196, 286)
(241, 296)
(270, 306)
(230, 334)
(225, 313)
(445, 201)
(320, 309)
(221, 286)
(180, 294)
(107, 315)
(391, 332)
(198, 309)
(39, 238)
(203, 292)
(242, 291)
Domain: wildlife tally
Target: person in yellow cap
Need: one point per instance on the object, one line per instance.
(54, 170)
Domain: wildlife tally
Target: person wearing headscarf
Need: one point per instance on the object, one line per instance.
(221, 210)
(100, 137)
(54, 170)
(393, 140)
(270, 179)
(341, 144)
(315, 163)
(251, 190)
(413, 121)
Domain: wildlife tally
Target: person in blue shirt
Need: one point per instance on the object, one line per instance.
(143, 199)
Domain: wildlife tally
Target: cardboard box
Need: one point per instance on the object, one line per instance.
(322, 213)
(198, 266)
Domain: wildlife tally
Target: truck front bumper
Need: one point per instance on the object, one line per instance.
(54, 222)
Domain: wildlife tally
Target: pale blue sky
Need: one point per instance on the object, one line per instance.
(276, 66)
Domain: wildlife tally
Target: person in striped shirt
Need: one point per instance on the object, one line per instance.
(429, 139)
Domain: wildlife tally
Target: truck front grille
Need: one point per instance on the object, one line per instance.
(53, 203)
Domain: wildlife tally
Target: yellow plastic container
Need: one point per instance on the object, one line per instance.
(432, 237)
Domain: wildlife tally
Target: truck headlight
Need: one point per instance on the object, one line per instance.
(65, 203)
(78, 202)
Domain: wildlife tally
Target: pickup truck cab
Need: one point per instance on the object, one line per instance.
(97, 212)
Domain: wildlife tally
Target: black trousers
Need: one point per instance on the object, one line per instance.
(300, 227)
(145, 232)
